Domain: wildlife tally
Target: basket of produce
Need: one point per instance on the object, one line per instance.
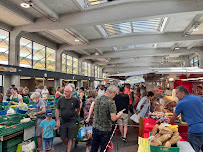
(164, 139)
(5, 103)
(22, 108)
(3, 112)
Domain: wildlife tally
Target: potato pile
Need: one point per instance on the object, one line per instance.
(165, 137)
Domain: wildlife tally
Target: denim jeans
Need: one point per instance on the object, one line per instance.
(196, 141)
(100, 138)
(46, 141)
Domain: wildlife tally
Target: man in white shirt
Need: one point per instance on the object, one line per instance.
(101, 91)
(45, 92)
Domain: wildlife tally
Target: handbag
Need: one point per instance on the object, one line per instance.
(135, 118)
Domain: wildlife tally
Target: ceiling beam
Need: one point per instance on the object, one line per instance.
(44, 7)
(147, 52)
(193, 44)
(146, 59)
(136, 40)
(130, 69)
(138, 64)
(11, 7)
(152, 9)
(5, 26)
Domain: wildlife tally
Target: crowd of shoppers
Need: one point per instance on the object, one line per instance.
(100, 108)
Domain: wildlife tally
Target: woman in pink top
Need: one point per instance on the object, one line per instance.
(58, 94)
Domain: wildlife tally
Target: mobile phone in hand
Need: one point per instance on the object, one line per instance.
(123, 110)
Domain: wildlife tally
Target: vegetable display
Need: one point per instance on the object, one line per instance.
(23, 106)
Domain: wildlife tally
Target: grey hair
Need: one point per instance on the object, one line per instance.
(183, 89)
(112, 89)
(72, 85)
(69, 87)
(35, 95)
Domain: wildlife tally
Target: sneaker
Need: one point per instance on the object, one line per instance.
(124, 139)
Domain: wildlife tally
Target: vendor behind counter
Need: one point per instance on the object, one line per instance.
(191, 109)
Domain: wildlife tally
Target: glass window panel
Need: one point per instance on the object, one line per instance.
(89, 69)
(96, 71)
(50, 59)
(75, 66)
(69, 64)
(38, 56)
(64, 63)
(25, 53)
(4, 46)
(84, 69)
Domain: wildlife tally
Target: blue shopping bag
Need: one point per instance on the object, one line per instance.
(85, 133)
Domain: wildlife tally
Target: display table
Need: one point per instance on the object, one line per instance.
(185, 146)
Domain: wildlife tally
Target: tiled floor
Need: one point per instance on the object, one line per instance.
(130, 146)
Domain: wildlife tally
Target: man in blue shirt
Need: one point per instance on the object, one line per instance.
(191, 108)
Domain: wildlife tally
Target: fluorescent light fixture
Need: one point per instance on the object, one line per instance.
(76, 40)
(177, 48)
(25, 5)
(195, 29)
(171, 79)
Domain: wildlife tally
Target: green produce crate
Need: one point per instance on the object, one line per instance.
(173, 148)
(12, 142)
(13, 128)
(2, 132)
(29, 124)
(35, 140)
(12, 149)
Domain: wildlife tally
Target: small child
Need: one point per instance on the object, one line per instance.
(48, 125)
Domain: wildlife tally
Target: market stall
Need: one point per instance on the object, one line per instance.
(17, 125)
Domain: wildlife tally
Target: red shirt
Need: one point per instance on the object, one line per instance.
(127, 91)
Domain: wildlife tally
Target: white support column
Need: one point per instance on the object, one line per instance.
(101, 72)
(59, 53)
(58, 83)
(201, 60)
(92, 73)
(15, 79)
(187, 63)
(14, 51)
(80, 66)
(14, 54)
(92, 70)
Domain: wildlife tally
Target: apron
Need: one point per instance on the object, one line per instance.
(26, 99)
(56, 99)
(1, 106)
(15, 99)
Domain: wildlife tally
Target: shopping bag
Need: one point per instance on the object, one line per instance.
(85, 133)
(135, 118)
(26, 147)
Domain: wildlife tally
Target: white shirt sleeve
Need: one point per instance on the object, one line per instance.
(19, 96)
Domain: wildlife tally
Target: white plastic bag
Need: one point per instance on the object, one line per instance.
(135, 118)
(10, 111)
(26, 147)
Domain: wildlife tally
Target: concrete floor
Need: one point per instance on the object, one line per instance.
(130, 146)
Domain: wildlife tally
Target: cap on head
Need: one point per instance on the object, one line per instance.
(49, 113)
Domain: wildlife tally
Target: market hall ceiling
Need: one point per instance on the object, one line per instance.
(119, 30)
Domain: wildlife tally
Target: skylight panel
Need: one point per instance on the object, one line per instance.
(96, 2)
(155, 25)
(118, 29)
